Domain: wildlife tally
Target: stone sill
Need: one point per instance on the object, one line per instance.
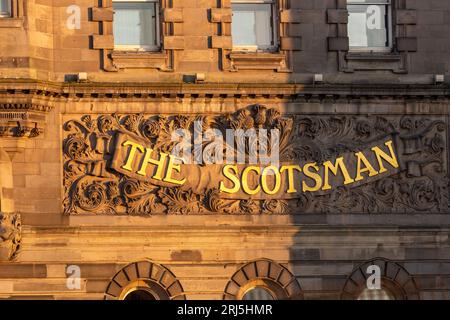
(139, 60)
(11, 22)
(376, 56)
(376, 61)
(258, 61)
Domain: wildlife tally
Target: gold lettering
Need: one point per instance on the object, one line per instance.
(245, 185)
(391, 159)
(290, 170)
(277, 178)
(367, 167)
(233, 178)
(132, 154)
(316, 177)
(170, 167)
(334, 168)
(159, 163)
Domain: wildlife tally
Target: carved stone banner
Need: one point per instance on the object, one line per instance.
(125, 164)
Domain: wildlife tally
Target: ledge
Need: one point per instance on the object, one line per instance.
(11, 22)
(368, 61)
(139, 60)
(257, 61)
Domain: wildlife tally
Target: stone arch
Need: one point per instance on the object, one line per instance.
(394, 277)
(263, 273)
(147, 276)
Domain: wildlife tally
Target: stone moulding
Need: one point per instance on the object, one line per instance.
(394, 278)
(148, 276)
(10, 236)
(267, 274)
(420, 186)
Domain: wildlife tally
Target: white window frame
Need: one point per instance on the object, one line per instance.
(275, 21)
(152, 48)
(390, 26)
(9, 15)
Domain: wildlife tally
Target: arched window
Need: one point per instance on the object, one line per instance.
(258, 293)
(262, 280)
(140, 294)
(144, 280)
(376, 294)
(395, 283)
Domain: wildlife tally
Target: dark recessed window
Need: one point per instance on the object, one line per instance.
(254, 25)
(136, 25)
(140, 295)
(369, 25)
(5, 8)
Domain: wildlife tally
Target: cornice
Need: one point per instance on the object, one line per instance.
(99, 90)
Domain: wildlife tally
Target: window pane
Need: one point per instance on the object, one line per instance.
(258, 293)
(367, 26)
(5, 8)
(368, 1)
(251, 25)
(381, 294)
(135, 24)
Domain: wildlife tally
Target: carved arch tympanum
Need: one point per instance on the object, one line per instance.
(266, 274)
(146, 276)
(394, 278)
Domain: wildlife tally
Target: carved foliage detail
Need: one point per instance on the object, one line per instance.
(421, 186)
(10, 236)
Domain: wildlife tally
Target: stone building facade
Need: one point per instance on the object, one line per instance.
(70, 101)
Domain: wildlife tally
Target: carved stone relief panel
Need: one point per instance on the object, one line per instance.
(10, 235)
(125, 164)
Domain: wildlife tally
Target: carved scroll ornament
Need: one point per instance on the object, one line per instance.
(95, 185)
(10, 235)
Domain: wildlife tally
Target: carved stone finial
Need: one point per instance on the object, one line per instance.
(10, 236)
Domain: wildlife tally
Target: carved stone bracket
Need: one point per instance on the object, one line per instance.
(22, 120)
(10, 236)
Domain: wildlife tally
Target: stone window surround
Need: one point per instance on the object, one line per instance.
(17, 15)
(232, 60)
(396, 60)
(148, 48)
(394, 277)
(114, 60)
(266, 274)
(145, 275)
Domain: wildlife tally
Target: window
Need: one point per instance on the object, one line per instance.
(5, 8)
(253, 25)
(139, 294)
(369, 25)
(136, 25)
(376, 294)
(258, 293)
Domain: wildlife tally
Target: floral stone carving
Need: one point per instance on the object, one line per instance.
(420, 184)
(10, 235)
